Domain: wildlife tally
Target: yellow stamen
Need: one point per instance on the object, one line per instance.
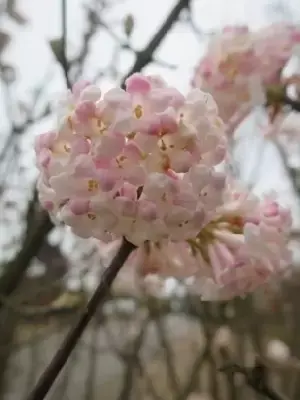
(70, 123)
(165, 162)
(67, 148)
(138, 111)
(91, 216)
(163, 145)
(92, 185)
(131, 135)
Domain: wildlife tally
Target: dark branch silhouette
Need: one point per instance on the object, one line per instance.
(255, 377)
(144, 57)
(64, 56)
(52, 371)
(294, 104)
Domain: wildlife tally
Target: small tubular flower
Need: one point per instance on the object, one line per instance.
(121, 163)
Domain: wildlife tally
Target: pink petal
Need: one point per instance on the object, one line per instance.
(80, 146)
(48, 205)
(78, 87)
(79, 206)
(137, 83)
(147, 210)
(85, 110)
(44, 158)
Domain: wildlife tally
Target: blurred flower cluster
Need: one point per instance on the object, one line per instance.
(240, 65)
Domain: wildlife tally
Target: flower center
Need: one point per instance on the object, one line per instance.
(91, 216)
(92, 185)
(229, 68)
(138, 111)
(231, 223)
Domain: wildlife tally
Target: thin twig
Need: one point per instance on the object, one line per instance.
(15, 271)
(256, 378)
(59, 360)
(194, 374)
(144, 57)
(64, 38)
(131, 364)
(294, 104)
(92, 365)
(169, 356)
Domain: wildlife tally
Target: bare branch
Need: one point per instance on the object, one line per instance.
(294, 104)
(169, 358)
(193, 375)
(50, 374)
(255, 377)
(144, 57)
(64, 59)
(15, 270)
(131, 364)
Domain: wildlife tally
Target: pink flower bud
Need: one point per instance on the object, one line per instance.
(78, 87)
(137, 83)
(79, 206)
(85, 110)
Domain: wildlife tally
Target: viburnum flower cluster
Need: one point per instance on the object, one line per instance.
(140, 163)
(243, 247)
(137, 162)
(240, 64)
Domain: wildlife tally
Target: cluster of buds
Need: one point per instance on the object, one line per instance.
(240, 65)
(137, 163)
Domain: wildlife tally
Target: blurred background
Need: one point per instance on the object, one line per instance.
(151, 340)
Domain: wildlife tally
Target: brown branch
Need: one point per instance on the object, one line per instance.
(139, 364)
(64, 59)
(169, 356)
(131, 363)
(144, 57)
(193, 374)
(15, 270)
(255, 377)
(294, 104)
(50, 374)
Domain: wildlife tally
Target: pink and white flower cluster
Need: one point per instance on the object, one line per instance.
(248, 245)
(137, 162)
(243, 247)
(239, 64)
(140, 163)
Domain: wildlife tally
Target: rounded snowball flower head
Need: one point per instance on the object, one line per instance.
(127, 162)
